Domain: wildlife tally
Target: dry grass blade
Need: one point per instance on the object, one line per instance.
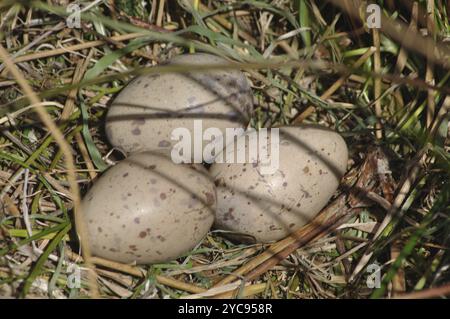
(397, 30)
(75, 47)
(412, 29)
(429, 75)
(65, 147)
(137, 272)
(336, 85)
(335, 215)
(377, 85)
(230, 291)
(429, 293)
(300, 237)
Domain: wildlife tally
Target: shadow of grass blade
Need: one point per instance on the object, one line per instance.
(92, 73)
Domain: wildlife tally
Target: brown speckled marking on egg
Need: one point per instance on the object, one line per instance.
(164, 143)
(143, 115)
(277, 204)
(142, 234)
(136, 131)
(175, 228)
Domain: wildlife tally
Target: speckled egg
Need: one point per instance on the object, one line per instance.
(146, 112)
(254, 205)
(146, 209)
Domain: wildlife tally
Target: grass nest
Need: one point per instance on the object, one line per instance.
(385, 233)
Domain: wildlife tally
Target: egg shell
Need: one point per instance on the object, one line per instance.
(263, 207)
(145, 113)
(146, 209)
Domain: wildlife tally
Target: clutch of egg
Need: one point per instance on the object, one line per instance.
(147, 209)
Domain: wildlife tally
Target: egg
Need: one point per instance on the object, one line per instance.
(146, 209)
(256, 204)
(147, 111)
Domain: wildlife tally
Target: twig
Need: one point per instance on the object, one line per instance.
(429, 293)
(137, 272)
(339, 216)
(412, 28)
(69, 106)
(377, 82)
(160, 15)
(299, 237)
(429, 76)
(230, 291)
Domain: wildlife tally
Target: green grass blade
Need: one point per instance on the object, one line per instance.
(37, 270)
